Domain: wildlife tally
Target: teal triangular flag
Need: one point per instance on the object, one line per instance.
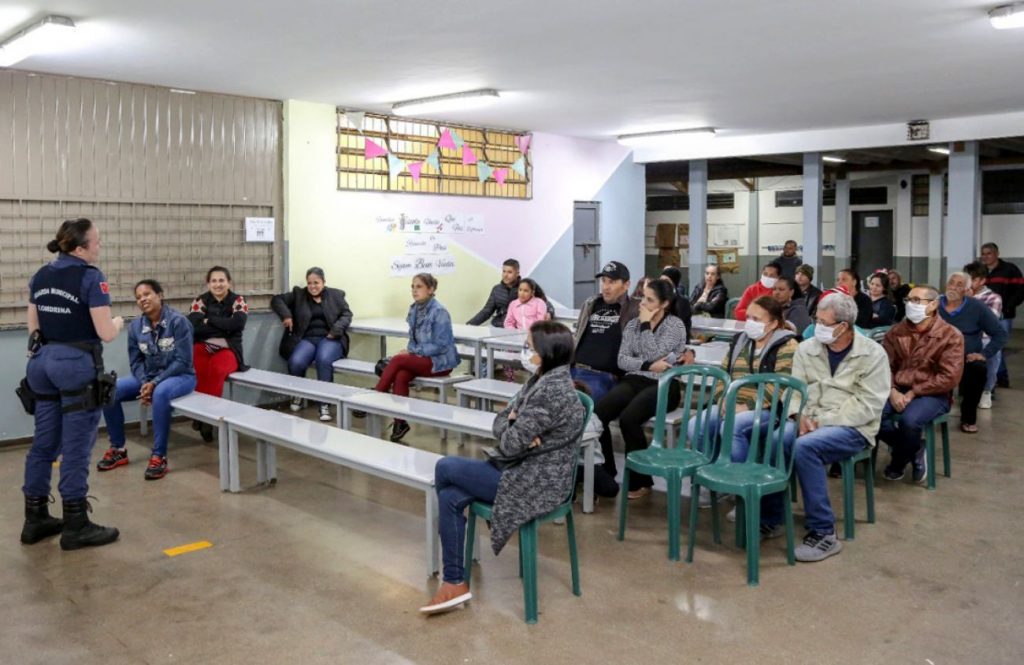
(395, 165)
(434, 161)
(457, 139)
(519, 166)
(483, 171)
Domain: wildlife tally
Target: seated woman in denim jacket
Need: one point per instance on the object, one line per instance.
(431, 349)
(160, 352)
(546, 418)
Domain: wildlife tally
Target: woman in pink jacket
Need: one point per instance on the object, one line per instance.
(529, 308)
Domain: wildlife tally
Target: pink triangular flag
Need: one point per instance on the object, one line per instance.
(414, 170)
(373, 150)
(523, 142)
(468, 156)
(446, 140)
(500, 175)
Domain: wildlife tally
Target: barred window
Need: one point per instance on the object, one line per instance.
(413, 142)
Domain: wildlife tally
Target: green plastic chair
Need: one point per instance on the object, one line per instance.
(682, 461)
(730, 307)
(878, 334)
(528, 535)
(941, 422)
(848, 468)
(766, 470)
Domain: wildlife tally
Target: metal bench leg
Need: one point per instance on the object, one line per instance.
(223, 457)
(271, 455)
(337, 411)
(143, 419)
(444, 400)
(478, 357)
(463, 401)
(374, 425)
(234, 484)
(261, 462)
(383, 346)
(588, 478)
(345, 413)
(490, 362)
(433, 541)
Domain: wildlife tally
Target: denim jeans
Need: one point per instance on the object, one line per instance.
(320, 350)
(599, 383)
(128, 391)
(992, 365)
(1007, 325)
(743, 429)
(811, 453)
(459, 482)
(905, 436)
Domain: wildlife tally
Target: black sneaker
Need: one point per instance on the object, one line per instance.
(358, 414)
(818, 546)
(206, 431)
(920, 470)
(157, 468)
(1003, 382)
(835, 471)
(890, 473)
(399, 429)
(113, 458)
(772, 531)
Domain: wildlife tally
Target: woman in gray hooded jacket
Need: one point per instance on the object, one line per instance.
(542, 424)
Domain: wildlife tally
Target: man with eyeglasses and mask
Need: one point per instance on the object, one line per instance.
(973, 319)
(926, 357)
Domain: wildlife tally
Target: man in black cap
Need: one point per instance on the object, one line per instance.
(599, 331)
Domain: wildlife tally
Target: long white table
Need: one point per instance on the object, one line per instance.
(703, 324)
(473, 336)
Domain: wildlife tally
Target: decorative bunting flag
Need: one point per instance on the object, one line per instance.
(446, 140)
(434, 160)
(354, 119)
(373, 150)
(468, 156)
(500, 175)
(519, 166)
(395, 166)
(457, 139)
(414, 170)
(523, 142)
(483, 171)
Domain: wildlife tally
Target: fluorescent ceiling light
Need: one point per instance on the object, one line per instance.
(666, 136)
(836, 160)
(46, 35)
(1005, 17)
(937, 149)
(458, 101)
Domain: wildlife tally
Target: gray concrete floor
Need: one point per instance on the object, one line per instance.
(326, 567)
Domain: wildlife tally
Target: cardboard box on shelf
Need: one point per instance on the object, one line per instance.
(665, 236)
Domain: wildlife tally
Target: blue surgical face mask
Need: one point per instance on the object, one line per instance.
(526, 360)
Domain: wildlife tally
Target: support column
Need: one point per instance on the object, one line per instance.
(698, 220)
(962, 223)
(936, 185)
(842, 225)
(813, 172)
(753, 266)
(903, 226)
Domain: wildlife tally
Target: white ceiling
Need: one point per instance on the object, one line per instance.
(592, 68)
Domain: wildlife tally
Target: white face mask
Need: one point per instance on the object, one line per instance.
(753, 329)
(768, 282)
(526, 359)
(916, 312)
(825, 334)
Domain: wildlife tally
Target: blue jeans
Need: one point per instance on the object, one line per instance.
(460, 481)
(53, 369)
(599, 383)
(743, 429)
(128, 391)
(905, 437)
(1007, 325)
(811, 452)
(320, 350)
(992, 365)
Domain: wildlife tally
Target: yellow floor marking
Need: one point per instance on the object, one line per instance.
(191, 547)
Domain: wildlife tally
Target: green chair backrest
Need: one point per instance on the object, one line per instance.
(730, 307)
(588, 410)
(701, 383)
(878, 333)
(809, 331)
(766, 444)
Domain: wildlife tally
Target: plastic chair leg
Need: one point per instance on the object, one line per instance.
(947, 468)
(467, 561)
(929, 451)
(869, 485)
(741, 521)
(691, 534)
(787, 511)
(849, 520)
(753, 523)
(674, 502)
(574, 563)
(528, 553)
(716, 525)
(793, 489)
(623, 503)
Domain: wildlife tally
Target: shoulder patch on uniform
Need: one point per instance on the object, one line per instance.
(105, 287)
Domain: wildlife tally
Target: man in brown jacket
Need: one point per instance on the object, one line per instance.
(926, 356)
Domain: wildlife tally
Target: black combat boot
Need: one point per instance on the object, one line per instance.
(79, 532)
(38, 523)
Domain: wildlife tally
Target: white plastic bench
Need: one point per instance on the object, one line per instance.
(397, 463)
(214, 411)
(456, 418)
(295, 386)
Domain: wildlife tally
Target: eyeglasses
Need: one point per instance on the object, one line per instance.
(917, 301)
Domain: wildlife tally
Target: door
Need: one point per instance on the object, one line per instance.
(871, 242)
(586, 250)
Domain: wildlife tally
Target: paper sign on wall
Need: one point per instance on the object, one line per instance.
(408, 265)
(871, 222)
(259, 229)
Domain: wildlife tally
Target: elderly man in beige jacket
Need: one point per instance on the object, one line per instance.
(848, 383)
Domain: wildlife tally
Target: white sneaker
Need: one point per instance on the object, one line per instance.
(296, 404)
(731, 515)
(986, 400)
(325, 412)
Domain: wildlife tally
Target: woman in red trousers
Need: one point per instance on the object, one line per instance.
(218, 318)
